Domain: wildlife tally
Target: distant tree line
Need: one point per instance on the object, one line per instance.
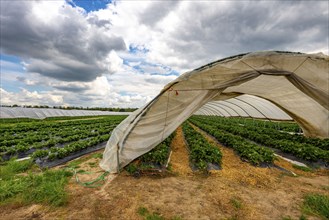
(75, 107)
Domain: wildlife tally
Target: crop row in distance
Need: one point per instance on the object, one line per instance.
(308, 149)
(54, 139)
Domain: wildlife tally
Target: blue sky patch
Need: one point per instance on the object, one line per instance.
(10, 58)
(90, 5)
(135, 49)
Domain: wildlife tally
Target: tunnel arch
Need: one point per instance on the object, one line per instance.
(297, 84)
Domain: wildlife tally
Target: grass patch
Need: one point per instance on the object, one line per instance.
(147, 215)
(142, 211)
(316, 204)
(236, 203)
(305, 169)
(97, 155)
(13, 167)
(46, 187)
(75, 163)
(302, 217)
(154, 216)
(92, 164)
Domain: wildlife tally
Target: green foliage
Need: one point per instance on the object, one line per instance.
(142, 211)
(154, 216)
(201, 151)
(302, 217)
(40, 154)
(147, 215)
(316, 204)
(131, 168)
(97, 155)
(155, 158)
(246, 149)
(46, 188)
(55, 139)
(236, 203)
(310, 149)
(305, 169)
(13, 167)
(157, 155)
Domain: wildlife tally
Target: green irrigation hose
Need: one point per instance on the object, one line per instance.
(91, 184)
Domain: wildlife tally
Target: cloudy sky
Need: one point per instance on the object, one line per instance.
(121, 53)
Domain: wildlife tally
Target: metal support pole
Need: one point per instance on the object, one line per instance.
(118, 162)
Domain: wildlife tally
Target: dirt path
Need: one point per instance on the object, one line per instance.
(179, 159)
(238, 191)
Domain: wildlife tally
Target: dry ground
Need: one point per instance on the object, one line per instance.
(237, 191)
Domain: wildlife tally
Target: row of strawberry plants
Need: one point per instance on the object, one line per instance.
(201, 151)
(19, 148)
(303, 151)
(13, 129)
(9, 136)
(58, 137)
(159, 154)
(272, 139)
(274, 133)
(245, 149)
(278, 125)
(58, 134)
(61, 152)
(155, 158)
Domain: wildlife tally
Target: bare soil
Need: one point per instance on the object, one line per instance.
(237, 191)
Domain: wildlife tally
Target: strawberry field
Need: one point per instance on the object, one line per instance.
(254, 141)
(54, 138)
(251, 139)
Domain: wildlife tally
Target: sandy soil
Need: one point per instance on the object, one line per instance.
(237, 191)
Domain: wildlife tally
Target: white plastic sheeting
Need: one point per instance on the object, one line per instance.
(296, 83)
(41, 113)
(244, 106)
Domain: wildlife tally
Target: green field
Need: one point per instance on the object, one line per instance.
(53, 138)
(252, 138)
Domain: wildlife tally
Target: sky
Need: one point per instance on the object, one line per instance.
(107, 53)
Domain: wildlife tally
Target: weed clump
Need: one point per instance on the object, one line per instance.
(20, 185)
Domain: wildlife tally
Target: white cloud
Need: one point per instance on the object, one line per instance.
(29, 98)
(57, 40)
(83, 59)
(193, 33)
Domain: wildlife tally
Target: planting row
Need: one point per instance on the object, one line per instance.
(55, 139)
(61, 152)
(281, 126)
(273, 133)
(245, 149)
(268, 138)
(201, 151)
(17, 131)
(39, 140)
(156, 159)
